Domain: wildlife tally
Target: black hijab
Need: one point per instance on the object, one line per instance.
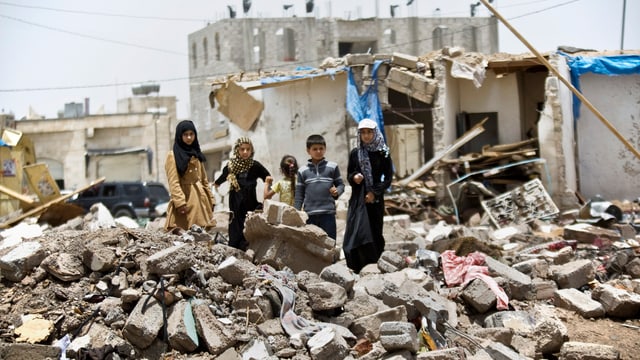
(183, 152)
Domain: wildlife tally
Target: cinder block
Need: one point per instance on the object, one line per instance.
(423, 84)
(418, 95)
(408, 61)
(358, 59)
(404, 78)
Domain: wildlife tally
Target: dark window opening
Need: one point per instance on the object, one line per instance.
(358, 47)
(489, 136)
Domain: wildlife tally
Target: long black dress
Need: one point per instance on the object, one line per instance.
(243, 201)
(363, 240)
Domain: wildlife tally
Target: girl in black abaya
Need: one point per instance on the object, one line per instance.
(243, 173)
(369, 173)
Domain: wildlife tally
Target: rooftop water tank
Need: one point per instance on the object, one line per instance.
(145, 89)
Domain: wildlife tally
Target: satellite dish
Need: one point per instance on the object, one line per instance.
(232, 12)
(246, 5)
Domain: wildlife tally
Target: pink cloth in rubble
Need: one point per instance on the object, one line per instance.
(462, 269)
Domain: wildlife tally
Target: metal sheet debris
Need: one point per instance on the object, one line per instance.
(521, 205)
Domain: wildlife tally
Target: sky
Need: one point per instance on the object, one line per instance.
(55, 52)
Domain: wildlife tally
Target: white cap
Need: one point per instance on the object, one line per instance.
(367, 124)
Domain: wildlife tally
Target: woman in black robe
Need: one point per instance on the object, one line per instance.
(369, 173)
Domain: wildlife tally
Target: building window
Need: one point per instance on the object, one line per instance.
(205, 49)
(286, 44)
(389, 36)
(217, 41)
(258, 46)
(442, 37)
(469, 38)
(194, 55)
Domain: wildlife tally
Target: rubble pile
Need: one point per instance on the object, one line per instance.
(99, 288)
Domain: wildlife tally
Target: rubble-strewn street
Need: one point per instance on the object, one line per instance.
(99, 288)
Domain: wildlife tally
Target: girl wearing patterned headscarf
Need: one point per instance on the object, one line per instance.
(191, 198)
(243, 173)
(369, 172)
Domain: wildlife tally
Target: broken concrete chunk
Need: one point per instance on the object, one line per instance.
(28, 351)
(16, 263)
(479, 296)
(358, 59)
(574, 350)
(404, 60)
(573, 274)
(64, 266)
(617, 302)
(234, 270)
(34, 330)
(587, 234)
(326, 296)
(144, 322)
(326, 344)
(171, 260)
(576, 300)
(398, 335)
(181, 328)
(299, 248)
(100, 259)
(215, 335)
(339, 274)
(369, 326)
(255, 309)
(400, 77)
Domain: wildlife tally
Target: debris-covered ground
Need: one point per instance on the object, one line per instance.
(99, 288)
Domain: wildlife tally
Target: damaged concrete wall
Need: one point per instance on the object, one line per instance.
(514, 103)
(230, 46)
(291, 114)
(444, 109)
(102, 132)
(498, 95)
(455, 95)
(606, 167)
(556, 138)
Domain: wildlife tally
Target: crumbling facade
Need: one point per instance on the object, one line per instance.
(129, 145)
(245, 45)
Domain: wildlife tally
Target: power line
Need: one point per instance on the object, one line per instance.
(103, 14)
(545, 9)
(199, 77)
(73, 87)
(93, 37)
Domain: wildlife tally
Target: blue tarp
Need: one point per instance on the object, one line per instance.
(367, 104)
(602, 65)
(359, 106)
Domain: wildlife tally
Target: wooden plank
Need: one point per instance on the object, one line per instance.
(41, 182)
(44, 207)
(476, 130)
(566, 82)
(510, 147)
(16, 195)
(238, 105)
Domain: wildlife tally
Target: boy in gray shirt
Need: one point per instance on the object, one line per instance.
(318, 186)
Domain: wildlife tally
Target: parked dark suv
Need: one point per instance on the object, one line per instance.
(135, 199)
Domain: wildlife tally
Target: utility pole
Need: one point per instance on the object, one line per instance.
(624, 11)
(566, 82)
